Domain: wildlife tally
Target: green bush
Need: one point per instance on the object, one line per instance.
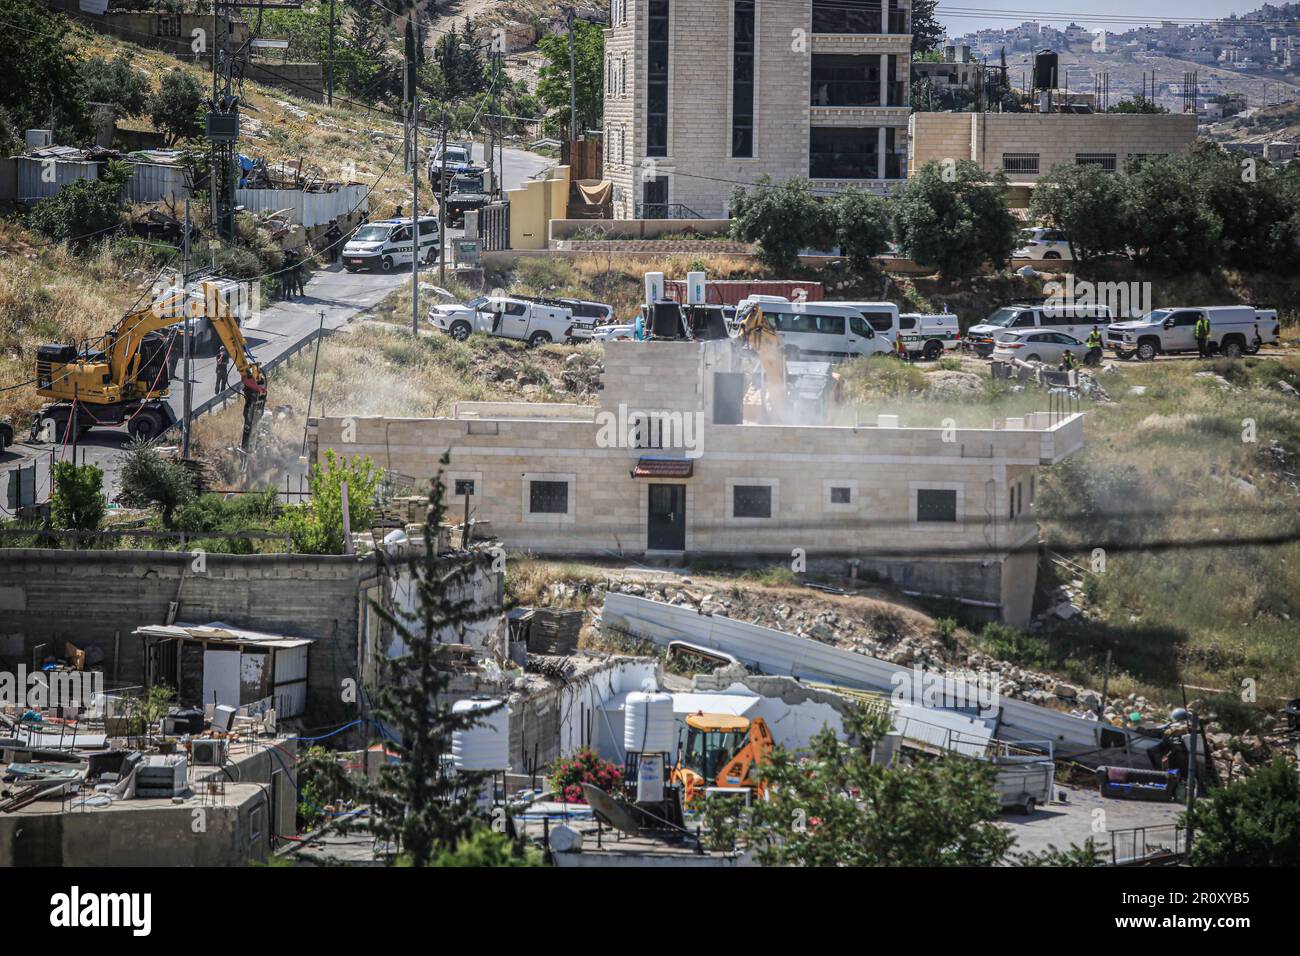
(176, 107)
(782, 218)
(954, 216)
(83, 210)
(78, 503)
(149, 480)
(317, 527)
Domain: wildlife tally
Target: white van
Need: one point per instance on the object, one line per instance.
(1074, 320)
(929, 335)
(820, 330)
(386, 244)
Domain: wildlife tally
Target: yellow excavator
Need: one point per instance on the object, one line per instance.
(721, 751)
(123, 377)
(757, 335)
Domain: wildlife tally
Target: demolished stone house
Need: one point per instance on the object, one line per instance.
(668, 466)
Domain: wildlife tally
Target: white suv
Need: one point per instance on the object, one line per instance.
(1234, 330)
(1043, 242)
(536, 323)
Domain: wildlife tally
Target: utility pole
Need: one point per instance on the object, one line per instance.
(415, 175)
(442, 205)
(573, 85)
(329, 83)
(185, 341)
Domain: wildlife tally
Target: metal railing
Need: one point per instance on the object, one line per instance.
(665, 210)
(1135, 846)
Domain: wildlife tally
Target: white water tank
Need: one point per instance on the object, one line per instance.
(486, 745)
(648, 723)
(695, 285)
(654, 288)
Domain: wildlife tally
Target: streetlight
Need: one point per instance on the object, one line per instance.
(1193, 750)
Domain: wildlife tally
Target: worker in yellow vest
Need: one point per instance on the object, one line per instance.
(1203, 336)
(1093, 356)
(901, 347)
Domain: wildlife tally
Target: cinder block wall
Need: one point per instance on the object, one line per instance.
(114, 592)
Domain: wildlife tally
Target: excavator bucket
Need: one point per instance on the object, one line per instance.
(254, 405)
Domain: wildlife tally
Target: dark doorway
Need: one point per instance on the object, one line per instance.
(666, 530)
(654, 198)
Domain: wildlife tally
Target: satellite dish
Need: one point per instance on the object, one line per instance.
(611, 811)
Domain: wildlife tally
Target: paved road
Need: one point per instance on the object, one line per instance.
(279, 329)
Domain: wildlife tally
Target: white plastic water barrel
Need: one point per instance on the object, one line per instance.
(648, 723)
(485, 746)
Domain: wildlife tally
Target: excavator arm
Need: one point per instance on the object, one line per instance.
(765, 342)
(251, 375)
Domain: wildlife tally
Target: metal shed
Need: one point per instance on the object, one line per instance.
(43, 177)
(154, 182)
(217, 664)
(305, 208)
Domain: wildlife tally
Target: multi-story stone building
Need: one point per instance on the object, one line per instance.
(703, 95)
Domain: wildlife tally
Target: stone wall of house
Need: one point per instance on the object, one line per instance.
(1053, 137)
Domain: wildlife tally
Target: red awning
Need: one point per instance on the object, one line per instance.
(663, 468)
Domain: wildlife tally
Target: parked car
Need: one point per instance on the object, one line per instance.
(613, 333)
(536, 323)
(1043, 242)
(929, 335)
(1037, 345)
(588, 317)
(1234, 330)
(1074, 320)
(388, 243)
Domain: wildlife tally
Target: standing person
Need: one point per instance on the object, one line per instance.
(900, 347)
(1093, 357)
(1257, 342)
(292, 273)
(334, 239)
(1203, 336)
(1068, 362)
(398, 214)
(223, 370)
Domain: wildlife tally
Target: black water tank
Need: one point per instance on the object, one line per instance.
(1045, 70)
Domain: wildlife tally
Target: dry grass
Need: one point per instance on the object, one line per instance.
(371, 368)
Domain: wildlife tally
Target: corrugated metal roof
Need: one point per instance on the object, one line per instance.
(218, 633)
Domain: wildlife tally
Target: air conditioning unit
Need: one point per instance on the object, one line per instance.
(161, 775)
(208, 752)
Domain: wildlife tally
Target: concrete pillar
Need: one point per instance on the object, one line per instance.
(880, 152)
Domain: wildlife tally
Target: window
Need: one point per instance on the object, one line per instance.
(548, 497)
(1020, 497)
(657, 80)
(742, 80)
(464, 486)
(936, 505)
(842, 79)
(1011, 502)
(1026, 164)
(880, 321)
(751, 501)
(906, 323)
(1105, 160)
(841, 152)
(847, 16)
(841, 495)
(858, 326)
(622, 75)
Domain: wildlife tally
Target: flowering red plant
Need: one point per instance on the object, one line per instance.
(568, 774)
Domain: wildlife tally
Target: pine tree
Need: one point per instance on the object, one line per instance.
(418, 802)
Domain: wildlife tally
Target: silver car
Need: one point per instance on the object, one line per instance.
(1036, 345)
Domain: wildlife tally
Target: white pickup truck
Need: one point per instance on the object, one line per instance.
(536, 323)
(1234, 331)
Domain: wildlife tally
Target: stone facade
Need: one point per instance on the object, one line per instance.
(836, 492)
(1026, 145)
(699, 167)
